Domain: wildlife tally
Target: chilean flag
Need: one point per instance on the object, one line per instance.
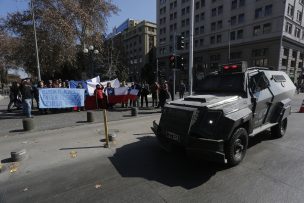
(121, 95)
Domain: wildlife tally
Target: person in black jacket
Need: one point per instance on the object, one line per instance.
(27, 95)
(14, 94)
(144, 94)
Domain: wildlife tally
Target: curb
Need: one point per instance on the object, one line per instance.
(3, 97)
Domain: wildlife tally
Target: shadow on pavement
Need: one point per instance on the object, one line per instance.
(147, 160)
(7, 160)
(15, 114)
(259, 138)
(17, 131)
(92, 147)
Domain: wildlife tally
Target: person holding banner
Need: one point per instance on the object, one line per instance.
(99, 98)
(109, 91)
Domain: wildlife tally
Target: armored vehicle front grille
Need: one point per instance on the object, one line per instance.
(176, 120)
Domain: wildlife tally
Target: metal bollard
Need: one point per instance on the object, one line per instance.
(90, 117)
(134, 111)
(28, 124)
(18, 155)
(112, 137)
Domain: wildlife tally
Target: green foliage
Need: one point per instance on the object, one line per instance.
(64, 28)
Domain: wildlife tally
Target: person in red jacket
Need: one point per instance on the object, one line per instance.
(98, 93)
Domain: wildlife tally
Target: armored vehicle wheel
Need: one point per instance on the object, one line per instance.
(237, 146)
(279, 130)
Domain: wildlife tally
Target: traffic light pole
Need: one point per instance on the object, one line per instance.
(191, 48)
(157, 70)
(175, 62)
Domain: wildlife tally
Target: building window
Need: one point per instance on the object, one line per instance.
(266, 28)
(203, 3)
(241, 18)
(233, 4)
(213, 26)
(196, 32)
(268, 10)
(299, 16)
(183, 23)
(201, 42)
(256, 30)
(196, 43)
(220, 10)
(212, 40)
(202, 29)
(290, 10)
(297, 32)
(197, 18)
(218, 38)
(202, 16)
(286, 52)
(258, 13)
(219, 24)
(188, 9)
(232, 35)
(233, 20)
(288, 28)
(242, 3)
(197, 5)
(284, 62)
(213, 12)
(183, 11)
(260, 62)
(294, 54)
(293, 64)
(215, 57)
(240, 34)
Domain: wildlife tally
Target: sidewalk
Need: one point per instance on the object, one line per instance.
(11, 123)
(52, 148)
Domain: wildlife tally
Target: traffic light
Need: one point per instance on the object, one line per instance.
(172, 61)
(180, 63)
(180, 42)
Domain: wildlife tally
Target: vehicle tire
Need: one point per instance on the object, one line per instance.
(236, 147)
(279, 130)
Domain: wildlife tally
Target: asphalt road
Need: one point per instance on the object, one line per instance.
(137, 170)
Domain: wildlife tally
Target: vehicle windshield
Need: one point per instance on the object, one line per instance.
(222, 83)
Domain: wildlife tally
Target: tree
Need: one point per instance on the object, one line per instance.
(64, 28)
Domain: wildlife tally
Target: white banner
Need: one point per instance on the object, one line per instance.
(92, 85)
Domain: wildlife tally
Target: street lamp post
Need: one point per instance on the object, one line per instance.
(36, 44)
(191, 48)
(229, 41)
(91, 51)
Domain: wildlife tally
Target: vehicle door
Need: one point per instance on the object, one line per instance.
(261, 97)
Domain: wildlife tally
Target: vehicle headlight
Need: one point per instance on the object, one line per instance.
(209, 122)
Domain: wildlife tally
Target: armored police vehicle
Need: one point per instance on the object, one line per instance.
(227, 108)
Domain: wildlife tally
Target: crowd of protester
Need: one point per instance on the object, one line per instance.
(23, 94)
